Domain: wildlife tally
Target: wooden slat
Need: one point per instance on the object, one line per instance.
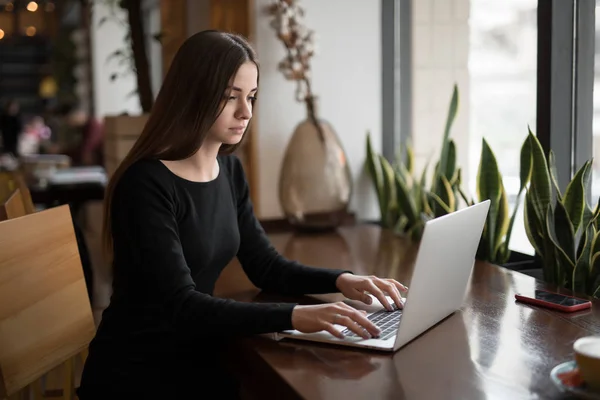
(13, 207)
(236, 16)
(45, 314)
(173, 28)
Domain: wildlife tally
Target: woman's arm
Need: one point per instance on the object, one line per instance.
(149, 254)
(265, 267)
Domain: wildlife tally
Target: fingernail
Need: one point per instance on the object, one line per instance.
(369, 300)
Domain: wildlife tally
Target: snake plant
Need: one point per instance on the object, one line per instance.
(562, 227)
(406, 201)
(497, 232)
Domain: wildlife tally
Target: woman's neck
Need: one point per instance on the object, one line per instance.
(200, 167)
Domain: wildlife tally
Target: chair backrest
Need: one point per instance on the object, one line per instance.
(9, 181)
(45, 313)
(13, 207)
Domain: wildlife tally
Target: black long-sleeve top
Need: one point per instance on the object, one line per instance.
(171, 239)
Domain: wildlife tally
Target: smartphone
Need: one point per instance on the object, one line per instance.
(555, 301)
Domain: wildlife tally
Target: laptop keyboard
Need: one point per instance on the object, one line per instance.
(386, 321)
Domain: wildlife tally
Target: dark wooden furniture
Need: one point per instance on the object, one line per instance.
(493, 348)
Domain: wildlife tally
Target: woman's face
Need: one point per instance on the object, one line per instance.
(230, 126)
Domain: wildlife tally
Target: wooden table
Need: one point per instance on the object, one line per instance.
(493, 348)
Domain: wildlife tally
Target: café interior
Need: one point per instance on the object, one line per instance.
(374, 118)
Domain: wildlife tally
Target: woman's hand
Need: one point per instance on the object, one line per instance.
(309, 319)
(358, 287)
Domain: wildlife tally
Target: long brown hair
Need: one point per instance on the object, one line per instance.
(188, 103)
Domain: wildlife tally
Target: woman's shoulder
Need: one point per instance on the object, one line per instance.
(144, 174)
(233, 166)
(145, 169)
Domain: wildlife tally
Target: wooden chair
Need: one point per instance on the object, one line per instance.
(45, 314)
(13, 207)
(9, 182)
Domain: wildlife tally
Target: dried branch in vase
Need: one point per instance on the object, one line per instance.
(299, 44)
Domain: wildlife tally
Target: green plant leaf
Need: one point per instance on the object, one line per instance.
(540, 178)
(410, 159)
(389, 192)
(553, 175)
(451, 163)
(488, 175)
(401, 224)
(406, 204)
(444, 158)
(447, 194)
(533, 226)
(582, 268)
(427, 210)
(526, 164)
(440, 203)
(553, 234)
(562, 232)
(502, 222)
(510, 227)
(593, 287)
(374, 169)
(574, 200)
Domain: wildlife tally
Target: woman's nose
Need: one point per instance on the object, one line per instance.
(245, 110)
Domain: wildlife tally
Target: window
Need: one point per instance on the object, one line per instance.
(502, 84)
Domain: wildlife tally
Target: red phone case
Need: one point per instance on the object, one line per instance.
(547, 304)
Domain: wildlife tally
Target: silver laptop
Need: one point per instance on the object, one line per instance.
(441, 274)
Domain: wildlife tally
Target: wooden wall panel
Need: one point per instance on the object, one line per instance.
(173, 27)
(237, 16)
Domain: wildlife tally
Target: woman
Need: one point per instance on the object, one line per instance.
(176, 212)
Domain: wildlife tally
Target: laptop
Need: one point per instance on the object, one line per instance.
(438, 287)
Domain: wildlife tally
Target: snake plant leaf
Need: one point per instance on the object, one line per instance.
(444, 158)
(406, 175)
(447, 194)
(533, 225)
(551, 261)
(588, 218)
(451, 163)
(435, 179)
(582, 268)
(585, 243)
(562, 232)
(405, 202)
(594, 276)
(440, 203)
(468, 202)
(488, 175)
(389, 192)
(510, 226)
(553, 176)
(374, 168)
(526, 164)
(501, 224)
(416, 231)
(401, 224)
(410, 159)
(427, 210)
(574, 199)
(540, 178)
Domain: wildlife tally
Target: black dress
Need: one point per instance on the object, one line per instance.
(163, 334)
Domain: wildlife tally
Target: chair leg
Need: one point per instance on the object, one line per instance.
(68, 380)
(37, 389)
